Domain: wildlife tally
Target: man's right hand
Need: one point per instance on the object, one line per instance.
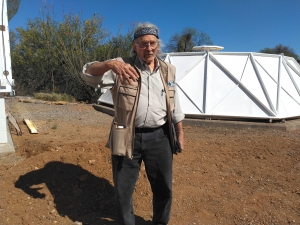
(123, 70)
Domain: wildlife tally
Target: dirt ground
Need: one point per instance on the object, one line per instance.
(62, 175)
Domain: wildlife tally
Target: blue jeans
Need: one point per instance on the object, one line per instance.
(154, 149)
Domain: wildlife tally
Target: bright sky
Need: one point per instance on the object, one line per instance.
(237, 25)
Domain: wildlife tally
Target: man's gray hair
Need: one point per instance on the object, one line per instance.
(141, 26)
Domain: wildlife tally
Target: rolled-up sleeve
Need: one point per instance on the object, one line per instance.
(107, 80)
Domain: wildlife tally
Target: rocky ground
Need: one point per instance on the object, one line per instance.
(62, 175)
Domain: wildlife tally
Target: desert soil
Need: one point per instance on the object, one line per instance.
(62, 175)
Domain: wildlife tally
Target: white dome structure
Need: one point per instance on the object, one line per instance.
(235, 85)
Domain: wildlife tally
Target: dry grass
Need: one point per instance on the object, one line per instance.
(54, 97)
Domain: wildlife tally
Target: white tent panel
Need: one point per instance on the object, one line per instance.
(270, 86)
(235, 64)
(293, 63)
(281, 110)
(269, 63)
(288, 85)
(251, 81)
(165, 58)
(290, 106)
(295, 77)
(106, 98)
(240, 104)
(192, 84)
(187, 105)
(184, 64)
(219, 85)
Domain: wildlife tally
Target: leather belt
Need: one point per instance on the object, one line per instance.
(147, 129)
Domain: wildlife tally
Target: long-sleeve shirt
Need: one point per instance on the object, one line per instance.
(152, 109)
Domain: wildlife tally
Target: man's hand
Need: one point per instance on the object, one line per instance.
(124, 71)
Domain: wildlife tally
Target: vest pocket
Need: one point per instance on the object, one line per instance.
(126, 97)
(119, 140)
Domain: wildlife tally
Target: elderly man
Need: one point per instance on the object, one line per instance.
(146, 104)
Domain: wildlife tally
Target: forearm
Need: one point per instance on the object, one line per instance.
(123, 70)
(180, 134)
(98, 68)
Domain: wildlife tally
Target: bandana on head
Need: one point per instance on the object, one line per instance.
(145, 31)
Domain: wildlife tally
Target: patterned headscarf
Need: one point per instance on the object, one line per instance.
(145, 31)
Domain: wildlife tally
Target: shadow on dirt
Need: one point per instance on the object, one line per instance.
(77, 193)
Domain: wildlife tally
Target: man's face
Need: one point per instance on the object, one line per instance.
(146, 47)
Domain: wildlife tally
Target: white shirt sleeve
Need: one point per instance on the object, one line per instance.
(177, 115)
(107, 80)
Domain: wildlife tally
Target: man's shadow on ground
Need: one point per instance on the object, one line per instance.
(77, 193)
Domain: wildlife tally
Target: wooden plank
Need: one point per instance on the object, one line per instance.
(32, 128)
(14, 122)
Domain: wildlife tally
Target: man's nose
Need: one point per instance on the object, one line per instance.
(148, 46)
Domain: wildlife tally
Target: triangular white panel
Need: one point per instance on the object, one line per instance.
(282, 112)
(235, 64)
(291, 107)
(270, 85)
(251, 81)
(184, 64)
(186, 105)
(288, 85)
(106, 98)
(194, 89)
(295, 76)
(219, 85)
(293, 62)
(269, 64)
(239, 104)
(165, 58)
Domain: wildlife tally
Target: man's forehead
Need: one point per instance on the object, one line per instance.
(147, 38)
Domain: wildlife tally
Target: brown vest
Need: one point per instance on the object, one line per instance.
(125, 98)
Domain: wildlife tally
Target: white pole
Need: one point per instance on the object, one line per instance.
(3, 130)
(5, 79)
